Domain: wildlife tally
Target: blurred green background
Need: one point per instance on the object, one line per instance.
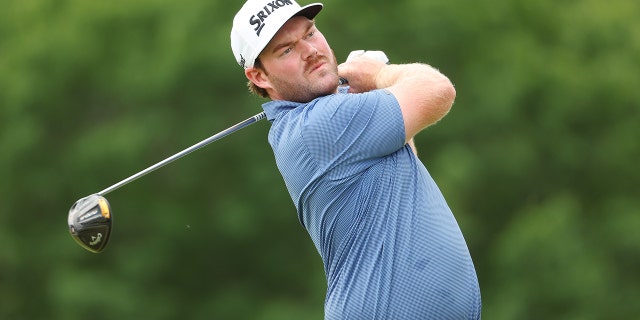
(538, 157)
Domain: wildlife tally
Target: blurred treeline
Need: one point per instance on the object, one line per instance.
(538, 158)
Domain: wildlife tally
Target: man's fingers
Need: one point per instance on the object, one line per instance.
(361, 72)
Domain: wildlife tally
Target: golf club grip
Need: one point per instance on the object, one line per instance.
(187, 151)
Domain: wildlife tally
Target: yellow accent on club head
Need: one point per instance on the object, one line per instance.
(104, 208)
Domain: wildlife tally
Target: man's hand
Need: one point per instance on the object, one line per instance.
(361, 69)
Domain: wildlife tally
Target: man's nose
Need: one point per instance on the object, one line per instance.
(308, 50)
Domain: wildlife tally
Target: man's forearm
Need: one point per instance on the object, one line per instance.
(425, 95)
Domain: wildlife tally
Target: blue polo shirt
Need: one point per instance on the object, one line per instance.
(390, 245)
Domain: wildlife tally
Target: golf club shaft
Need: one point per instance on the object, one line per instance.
(185, 152)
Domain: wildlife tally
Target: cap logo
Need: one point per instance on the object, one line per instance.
(259, 18)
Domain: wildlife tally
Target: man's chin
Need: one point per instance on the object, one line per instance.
(322, 85)
(329, 80)
(328, 85)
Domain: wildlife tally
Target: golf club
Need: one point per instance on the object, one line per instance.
(90, 217)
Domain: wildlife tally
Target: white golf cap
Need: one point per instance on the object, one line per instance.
(258, 21)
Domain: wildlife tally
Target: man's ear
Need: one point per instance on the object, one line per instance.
(258, 77)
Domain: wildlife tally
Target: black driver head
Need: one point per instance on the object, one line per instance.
(90, 222)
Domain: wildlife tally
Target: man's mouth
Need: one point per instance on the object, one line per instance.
(316, 65)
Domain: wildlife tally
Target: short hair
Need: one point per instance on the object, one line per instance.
(253, 88)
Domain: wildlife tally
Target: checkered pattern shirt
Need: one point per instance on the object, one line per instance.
(390, 245)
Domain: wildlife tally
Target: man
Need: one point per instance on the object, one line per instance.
(390, 245)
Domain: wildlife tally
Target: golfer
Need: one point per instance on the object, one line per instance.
(390, 245)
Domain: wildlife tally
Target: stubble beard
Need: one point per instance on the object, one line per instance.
(326, 83)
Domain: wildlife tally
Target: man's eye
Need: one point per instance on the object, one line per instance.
(287, 50)
(311, 34)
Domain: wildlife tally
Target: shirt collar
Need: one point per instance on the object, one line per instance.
(274, 108)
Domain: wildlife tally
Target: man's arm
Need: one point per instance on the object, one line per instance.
(425, 95)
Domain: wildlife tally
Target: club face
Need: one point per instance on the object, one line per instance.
(90, 222)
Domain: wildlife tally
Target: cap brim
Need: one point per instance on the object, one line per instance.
(310, 11)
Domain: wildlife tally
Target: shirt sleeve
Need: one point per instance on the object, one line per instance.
(352, 128)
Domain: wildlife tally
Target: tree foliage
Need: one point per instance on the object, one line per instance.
(537, 158)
